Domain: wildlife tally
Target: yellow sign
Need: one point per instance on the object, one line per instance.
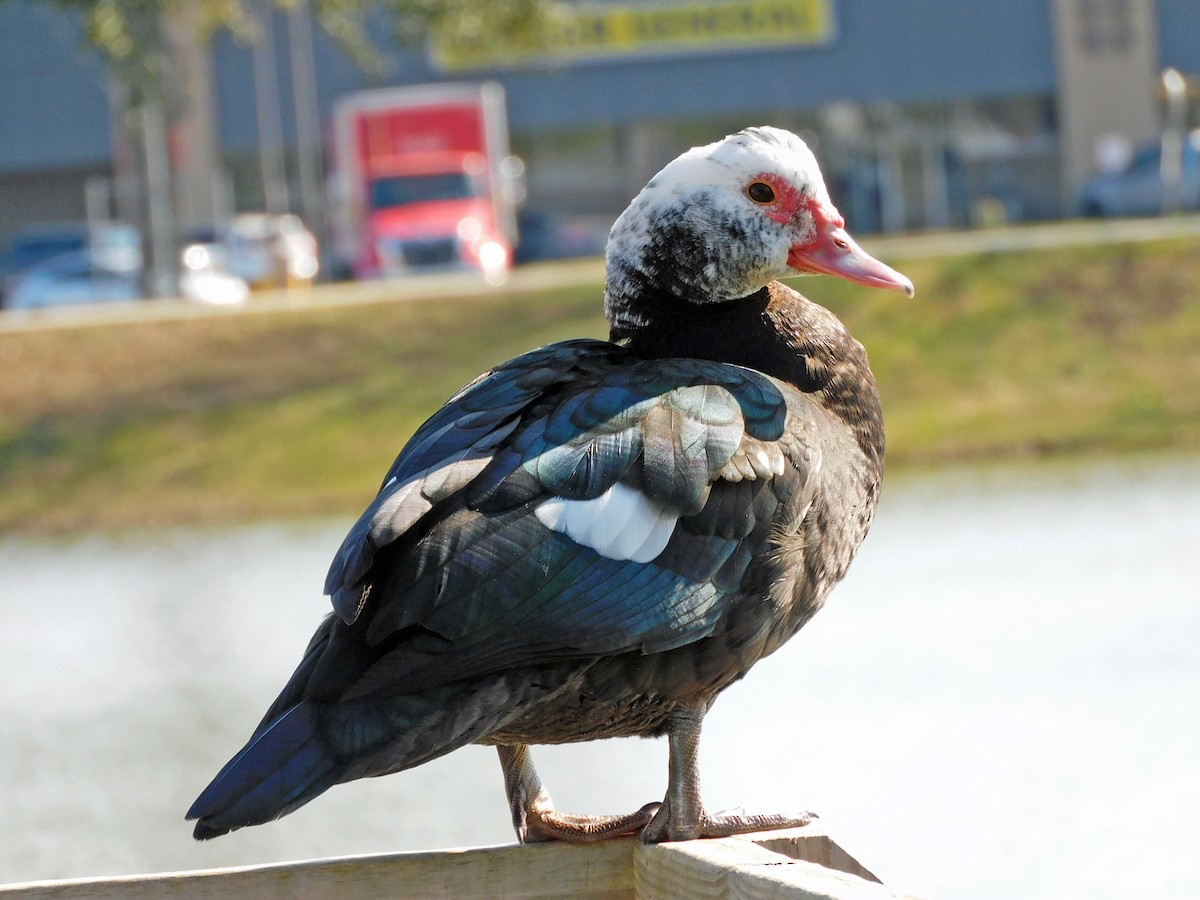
(593, 31)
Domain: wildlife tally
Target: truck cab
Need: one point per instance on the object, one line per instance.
(422, 182)
(434, 213)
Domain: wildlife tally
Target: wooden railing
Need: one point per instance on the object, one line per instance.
(799, 863)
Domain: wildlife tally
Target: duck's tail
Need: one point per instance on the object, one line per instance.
(285, 764)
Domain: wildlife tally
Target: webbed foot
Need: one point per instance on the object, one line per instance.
(682, 816)
(700, 824)
(535, 819)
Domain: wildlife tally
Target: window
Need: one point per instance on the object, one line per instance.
(1106, 26)
(402, 190)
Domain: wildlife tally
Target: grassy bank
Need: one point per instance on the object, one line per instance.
(299, 412)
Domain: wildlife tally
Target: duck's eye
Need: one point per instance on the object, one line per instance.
(761, 192)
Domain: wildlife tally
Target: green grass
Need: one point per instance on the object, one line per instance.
(300, 412)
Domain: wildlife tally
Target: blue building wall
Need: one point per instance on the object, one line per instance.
(925, 50)
(1179, 34)
(54, 110)
(922, 50)
(54, 105)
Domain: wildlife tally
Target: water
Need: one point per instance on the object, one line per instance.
(1002, 700)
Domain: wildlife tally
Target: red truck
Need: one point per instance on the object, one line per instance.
(422, 180)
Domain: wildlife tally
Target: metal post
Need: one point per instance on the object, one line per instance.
(97, 199)
(270, 128)
(163, 281)
(1171, 162)
(934, 180)
(890, 154)
(308, 128)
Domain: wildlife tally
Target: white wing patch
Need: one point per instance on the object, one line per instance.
(622, 523)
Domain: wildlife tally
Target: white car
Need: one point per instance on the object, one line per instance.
(272, 251)
(1139, 190)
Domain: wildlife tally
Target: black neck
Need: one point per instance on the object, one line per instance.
(743, 332)
(774, 331)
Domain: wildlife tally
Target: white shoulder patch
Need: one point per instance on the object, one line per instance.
(622, 523)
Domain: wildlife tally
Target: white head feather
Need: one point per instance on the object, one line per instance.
(696, 233)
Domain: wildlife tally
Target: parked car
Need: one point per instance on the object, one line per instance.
(220, 264)
(113, 246)
(204, 275)
(270, 251)
(72, 279)
(549, 236)
(1139, 189)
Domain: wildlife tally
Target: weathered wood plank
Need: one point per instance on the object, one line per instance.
(803, 864)
(811, 845)
(740, 869)
(540, 871)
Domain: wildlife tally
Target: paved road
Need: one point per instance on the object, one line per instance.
(589, 271)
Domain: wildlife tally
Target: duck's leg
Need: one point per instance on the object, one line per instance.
(534, 817)
(682, 816)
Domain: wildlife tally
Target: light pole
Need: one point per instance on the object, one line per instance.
(1171, 162)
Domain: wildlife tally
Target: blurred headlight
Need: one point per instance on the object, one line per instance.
(469, 229)
(197, 257)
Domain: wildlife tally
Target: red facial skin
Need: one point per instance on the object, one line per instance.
(829, 250)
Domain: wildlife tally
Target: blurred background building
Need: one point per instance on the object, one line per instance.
(926, 114)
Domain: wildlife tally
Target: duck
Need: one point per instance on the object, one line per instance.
(596, 538)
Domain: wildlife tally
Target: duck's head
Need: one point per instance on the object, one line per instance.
(723, 220)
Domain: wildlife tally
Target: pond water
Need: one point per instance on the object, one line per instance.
(1002, 700)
